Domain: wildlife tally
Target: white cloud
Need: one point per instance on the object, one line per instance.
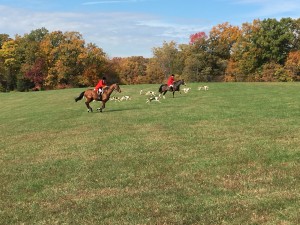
(118, 34)
(173, 31)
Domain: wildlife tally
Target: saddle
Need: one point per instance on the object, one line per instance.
(99, 95)
(171, 88)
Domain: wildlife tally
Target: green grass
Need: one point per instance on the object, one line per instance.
(229, 155)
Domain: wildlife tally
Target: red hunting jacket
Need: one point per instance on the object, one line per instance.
(101, 84)
(170, 80)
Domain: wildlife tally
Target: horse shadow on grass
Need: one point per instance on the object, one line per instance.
(119, 110)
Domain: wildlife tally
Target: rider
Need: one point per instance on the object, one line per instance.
(101, 84)
(170, 82)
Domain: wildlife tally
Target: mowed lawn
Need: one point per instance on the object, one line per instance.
(229, 155)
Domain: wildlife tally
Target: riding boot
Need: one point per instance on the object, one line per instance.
(99, 96)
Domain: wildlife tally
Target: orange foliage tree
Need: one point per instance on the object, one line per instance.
(293, 65)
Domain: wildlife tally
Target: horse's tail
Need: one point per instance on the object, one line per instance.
(79, 97)
(160, 88)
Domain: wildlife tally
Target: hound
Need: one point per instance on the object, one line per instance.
(117, 99)
(151, 93)
(205, 88)
(126, 97)
(153, 98)
(186, 90)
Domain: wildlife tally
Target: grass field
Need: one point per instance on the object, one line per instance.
(229, 155)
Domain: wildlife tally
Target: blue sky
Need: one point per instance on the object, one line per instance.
(133, 27)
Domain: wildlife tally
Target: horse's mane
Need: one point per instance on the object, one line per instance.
(178, 82)
(110, 86)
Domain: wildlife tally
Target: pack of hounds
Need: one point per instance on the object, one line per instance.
(152, 96)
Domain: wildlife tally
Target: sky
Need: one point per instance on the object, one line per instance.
(124, 28)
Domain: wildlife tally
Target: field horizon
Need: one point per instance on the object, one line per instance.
(229, 155)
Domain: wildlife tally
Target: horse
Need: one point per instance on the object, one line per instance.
(91, 95)
(176, 87)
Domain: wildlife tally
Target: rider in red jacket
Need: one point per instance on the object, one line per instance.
(101, 84)
(170, 82)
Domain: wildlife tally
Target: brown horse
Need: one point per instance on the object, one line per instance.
(91, 95)
(176, 87)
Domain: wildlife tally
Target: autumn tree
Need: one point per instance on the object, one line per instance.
(9, 65)
(292, 65)
(131, 70)
(272, 71)
(198, 62)
(4, 38)
(51, 60)
(221, 39)
(197, 36)
(66, 66)
(167, 58)
(31, 73)
(36, 73)
(3, 78)
(243, 60)
(50, 48)
(69, 66)
(266, 42)
(155, 74)
(95, 65)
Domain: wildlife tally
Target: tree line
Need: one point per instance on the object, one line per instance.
(264, 50)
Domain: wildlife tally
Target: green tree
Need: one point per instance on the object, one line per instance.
(266, 42)
(198, 64)
(274, 39)
(296, 34)
(167, 58)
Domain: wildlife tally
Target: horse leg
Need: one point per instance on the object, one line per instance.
(102, 107)
(173, 93)
(164, 94)
(87, 103)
